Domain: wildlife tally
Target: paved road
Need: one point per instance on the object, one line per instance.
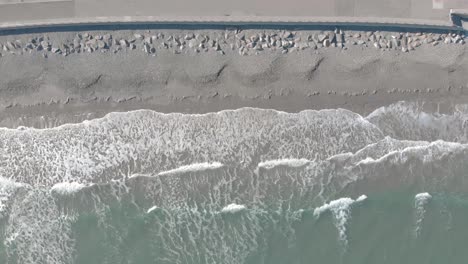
(18, 10)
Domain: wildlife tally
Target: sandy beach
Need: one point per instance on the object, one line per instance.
(47, 86)
(366, 179)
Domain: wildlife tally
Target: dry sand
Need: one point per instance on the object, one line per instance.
(45, 92)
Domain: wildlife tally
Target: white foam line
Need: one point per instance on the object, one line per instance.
(361, 198)
(233, 208)
(369, 160)
(269, 164)
(193, 168)
(423, 197)
(152, 209)
(341, 211)
(109, 115)
(333, 206)
(135, 176)
(417, 112)
(420, 201)
(67, 188)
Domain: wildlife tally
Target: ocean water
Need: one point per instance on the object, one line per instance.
(239, 186)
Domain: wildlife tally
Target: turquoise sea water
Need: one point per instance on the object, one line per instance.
(246, 186)
(380, 231)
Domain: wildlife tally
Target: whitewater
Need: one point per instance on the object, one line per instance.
(238, 186)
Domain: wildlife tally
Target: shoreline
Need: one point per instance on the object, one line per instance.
(69, 76)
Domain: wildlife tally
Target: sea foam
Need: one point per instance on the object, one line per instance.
(269, 164)
(341, 211)
(67, 188)
(422, 197)
(152, 209)
(7, 184)
(420, 202)
(409, 121)
(7, 189)
(233, 208)
(138, 175)
(146, 141)
(193, 168)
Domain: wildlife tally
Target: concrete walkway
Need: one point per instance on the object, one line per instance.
(20, 10)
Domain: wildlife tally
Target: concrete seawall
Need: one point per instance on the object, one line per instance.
(103, 22)
(220, 22)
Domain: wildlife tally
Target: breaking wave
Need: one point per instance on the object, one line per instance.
(269, 164)
(193, 168)
(233, 208)
(236, 186)
(341, 211)
(420, 202)
(67, 188)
